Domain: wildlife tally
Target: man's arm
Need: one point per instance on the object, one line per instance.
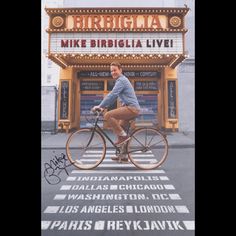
(112, 96)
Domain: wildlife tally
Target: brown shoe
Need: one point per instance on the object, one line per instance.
(120, 159)
(121, 140)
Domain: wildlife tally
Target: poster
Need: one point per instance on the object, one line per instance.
(117, 198)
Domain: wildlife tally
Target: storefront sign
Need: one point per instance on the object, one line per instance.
(171, 99)
(64, 100)
(129, 74)
(110, 43)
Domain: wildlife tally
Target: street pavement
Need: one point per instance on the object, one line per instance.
(118, 199)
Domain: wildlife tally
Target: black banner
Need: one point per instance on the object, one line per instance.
(96, 74)
(145, 85)
(128, 74)
(171, 99)
(64, 100)
(91, 85)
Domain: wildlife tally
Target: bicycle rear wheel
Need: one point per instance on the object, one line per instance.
(84, 149)
(148, 148)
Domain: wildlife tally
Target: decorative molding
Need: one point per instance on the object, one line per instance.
(167, 10)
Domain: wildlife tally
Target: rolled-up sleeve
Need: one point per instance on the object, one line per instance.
(113, 95)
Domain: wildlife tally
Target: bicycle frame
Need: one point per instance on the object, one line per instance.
(99, 129)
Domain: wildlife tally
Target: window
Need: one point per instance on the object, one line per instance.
(49, 79)
(49, 64)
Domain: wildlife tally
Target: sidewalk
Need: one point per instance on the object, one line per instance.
(175, 140)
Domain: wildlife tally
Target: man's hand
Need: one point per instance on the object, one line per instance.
(97, 108)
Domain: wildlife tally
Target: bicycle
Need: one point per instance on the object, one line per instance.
(86, 141)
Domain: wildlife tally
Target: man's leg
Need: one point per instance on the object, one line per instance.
(122, 113)
(124, 124)
(122, 157)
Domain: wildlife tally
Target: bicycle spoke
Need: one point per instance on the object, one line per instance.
(79, 143)
(137, 150)
(156, 143)
(95, 145)
(138, 141)
(146, 138)
(153, 140)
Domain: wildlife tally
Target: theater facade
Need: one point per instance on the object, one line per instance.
(148, 42)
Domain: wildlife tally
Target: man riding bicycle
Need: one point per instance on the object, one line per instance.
(119, 118)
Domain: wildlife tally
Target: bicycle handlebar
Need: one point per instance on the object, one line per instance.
(97, 111)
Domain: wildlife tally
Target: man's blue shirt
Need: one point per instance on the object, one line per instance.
(123, 90)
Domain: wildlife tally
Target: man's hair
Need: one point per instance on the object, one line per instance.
(116, 63)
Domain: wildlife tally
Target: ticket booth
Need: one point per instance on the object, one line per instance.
(148, 42)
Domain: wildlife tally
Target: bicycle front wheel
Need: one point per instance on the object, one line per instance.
(85, 149)
(147, 148)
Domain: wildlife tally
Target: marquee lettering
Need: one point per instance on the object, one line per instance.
(159, 43)
(116, 43)
(116, 21)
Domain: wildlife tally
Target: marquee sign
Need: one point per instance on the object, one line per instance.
(116, 21)
(107, 74)
(110, 43)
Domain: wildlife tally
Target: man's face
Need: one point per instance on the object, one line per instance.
(115, 72)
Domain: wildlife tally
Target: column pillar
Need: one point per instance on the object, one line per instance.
(66, 99)
(171, 120)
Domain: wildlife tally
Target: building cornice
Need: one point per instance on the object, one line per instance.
(167, 10)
